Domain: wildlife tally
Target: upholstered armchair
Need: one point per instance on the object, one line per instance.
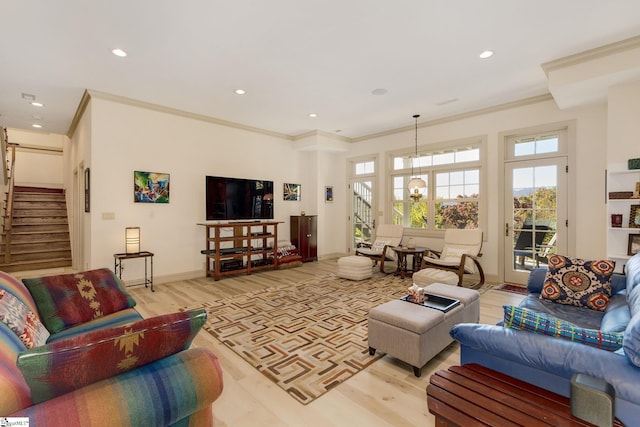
(387, 237)
(460, 255)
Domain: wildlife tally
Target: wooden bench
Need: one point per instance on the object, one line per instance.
(472, 395)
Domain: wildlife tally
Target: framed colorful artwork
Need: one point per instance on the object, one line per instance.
(150, 187)
(291, 192)
(634, 216)
(634, 244)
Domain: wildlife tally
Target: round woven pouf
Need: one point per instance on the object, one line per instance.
(355, 267)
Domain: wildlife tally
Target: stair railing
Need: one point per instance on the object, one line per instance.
(8, 212)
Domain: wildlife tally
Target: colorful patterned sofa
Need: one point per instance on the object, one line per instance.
(74, 352)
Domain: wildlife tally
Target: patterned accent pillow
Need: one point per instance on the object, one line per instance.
(379, 245)
(577, 282)
(22, 321)
(67, 365)
(541, 323)
(67, 300)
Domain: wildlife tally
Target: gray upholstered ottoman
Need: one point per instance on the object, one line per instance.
(414, 333)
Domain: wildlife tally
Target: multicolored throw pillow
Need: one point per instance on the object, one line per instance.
(67, 300)
(578, 282)
(63, 366)
(22, 321)
(541, 323)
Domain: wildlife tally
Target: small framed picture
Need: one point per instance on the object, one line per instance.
(636, 193)
(634, 244)
(87, 190)
(634, 216)
(328, 194)
(291, 192)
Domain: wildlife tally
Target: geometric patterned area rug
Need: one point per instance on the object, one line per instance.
(306, 337)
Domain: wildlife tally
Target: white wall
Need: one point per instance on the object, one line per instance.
(38, 158)
(624, 127)
(125, 138)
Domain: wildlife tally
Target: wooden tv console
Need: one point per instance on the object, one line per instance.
(240, 247)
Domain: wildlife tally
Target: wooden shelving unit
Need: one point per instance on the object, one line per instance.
(618, 237)
(240, 247)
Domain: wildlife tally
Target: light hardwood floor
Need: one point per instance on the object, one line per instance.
(384, 394)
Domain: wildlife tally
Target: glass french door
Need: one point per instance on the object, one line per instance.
(362, 191)
(535, 215)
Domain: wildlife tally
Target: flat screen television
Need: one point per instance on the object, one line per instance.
(238, 199)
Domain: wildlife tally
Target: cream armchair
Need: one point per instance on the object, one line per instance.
(387, 236)
(459, 255)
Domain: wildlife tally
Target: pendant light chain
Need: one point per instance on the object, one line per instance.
(417, 186)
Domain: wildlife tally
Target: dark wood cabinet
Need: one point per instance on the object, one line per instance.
(304, 230)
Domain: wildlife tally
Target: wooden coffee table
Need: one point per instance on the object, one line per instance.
(472, 395)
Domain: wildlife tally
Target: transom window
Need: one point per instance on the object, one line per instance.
(452, 199)
(364, 168)
(542, 144)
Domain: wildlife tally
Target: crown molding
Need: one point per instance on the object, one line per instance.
(592, 54)
(89, 93)
(321, 133)
(448, 119)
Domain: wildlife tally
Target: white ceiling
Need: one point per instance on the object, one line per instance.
(293, 57)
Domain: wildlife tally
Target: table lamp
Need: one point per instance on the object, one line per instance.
(132, 240)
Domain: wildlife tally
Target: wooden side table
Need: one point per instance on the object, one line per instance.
(119, 258)
(403, 269)
(471, 394)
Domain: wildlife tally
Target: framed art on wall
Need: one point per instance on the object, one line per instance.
(634, 216)
(87, 190)
(150, 187)
(634, 244)
(328, 194)
(291, 192)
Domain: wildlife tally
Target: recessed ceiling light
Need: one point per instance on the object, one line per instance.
(119, 52)
(313, 115)
(379, 91)
(28, 96)
(37, 104)
(486, 54)
(37, 126)
(240, 91)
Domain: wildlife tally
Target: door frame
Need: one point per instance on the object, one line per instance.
(375, 191)
(521, 276)
(569, 127)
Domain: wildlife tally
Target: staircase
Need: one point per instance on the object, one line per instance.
(38, 237)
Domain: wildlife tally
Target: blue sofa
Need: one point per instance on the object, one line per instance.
(550, 362)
